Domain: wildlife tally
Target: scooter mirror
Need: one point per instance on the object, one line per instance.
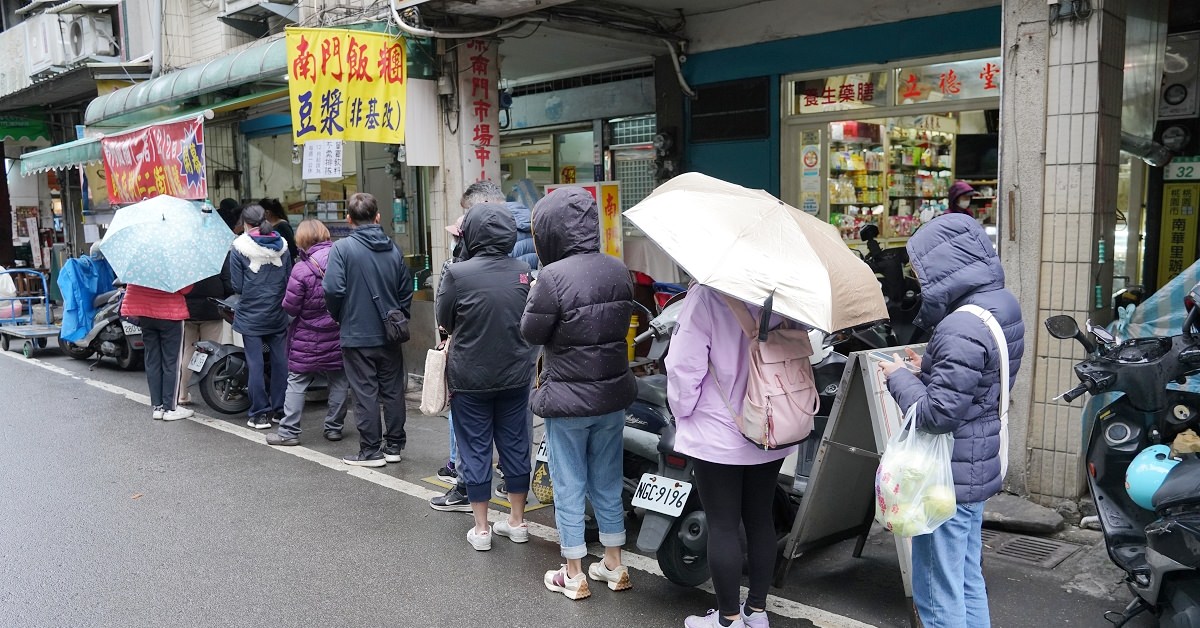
(1062, 327)
(868, 232)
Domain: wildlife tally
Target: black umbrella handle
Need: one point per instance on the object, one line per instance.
(764, 321)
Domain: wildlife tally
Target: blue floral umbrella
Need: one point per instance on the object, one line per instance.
(166, 243)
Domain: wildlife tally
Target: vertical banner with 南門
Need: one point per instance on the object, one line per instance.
(346, 85)
(159, 159)
(479, 110)
(608, 205)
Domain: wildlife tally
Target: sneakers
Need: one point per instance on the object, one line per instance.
(574, 588)
(754, 619)
(157, 413)
(177, 414)
(452, 501)
(391, 453)
(448, 474)
(276, 417)
(259, 422)
(282, 441)
(711, 620)
(502, 490)
(360, 460)
(617, 579)
(481, 541)
(333, 435)
(517, 534)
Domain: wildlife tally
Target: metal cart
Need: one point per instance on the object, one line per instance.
(22, 325)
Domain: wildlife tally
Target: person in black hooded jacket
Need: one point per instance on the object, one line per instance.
(479, 303)
(580, 309)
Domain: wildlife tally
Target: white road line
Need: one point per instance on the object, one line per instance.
(778, 605)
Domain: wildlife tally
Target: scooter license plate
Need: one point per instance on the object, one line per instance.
(131, 329)
(662, 494)
(197, 361)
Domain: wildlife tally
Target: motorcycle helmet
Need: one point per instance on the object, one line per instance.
(1147, 472)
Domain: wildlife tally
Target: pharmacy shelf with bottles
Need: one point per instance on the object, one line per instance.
(889, 173)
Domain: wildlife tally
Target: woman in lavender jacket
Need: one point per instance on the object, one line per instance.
(313, 344)
(736, 480)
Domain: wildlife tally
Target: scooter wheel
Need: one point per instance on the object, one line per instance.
(223, 388)
(679, 563)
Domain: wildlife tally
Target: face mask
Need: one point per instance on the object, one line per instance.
(964, 203)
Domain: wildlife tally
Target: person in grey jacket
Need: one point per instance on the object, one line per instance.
(366, 278)
(479, 303)
(956, 389)
(259, 266)
(580, 309)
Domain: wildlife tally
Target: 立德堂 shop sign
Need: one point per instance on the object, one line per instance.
(346, 85)
(159, 159)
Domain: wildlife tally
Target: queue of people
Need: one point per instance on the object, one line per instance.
(322, 312)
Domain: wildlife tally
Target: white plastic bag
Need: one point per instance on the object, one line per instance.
(914, 486)
(435, 394)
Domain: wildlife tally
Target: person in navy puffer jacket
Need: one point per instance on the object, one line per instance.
(957, 390)
(313, 344)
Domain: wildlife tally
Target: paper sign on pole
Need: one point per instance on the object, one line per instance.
(35, 241)
(323, 159)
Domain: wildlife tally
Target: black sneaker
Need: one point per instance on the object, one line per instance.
(391, 453)
(276, 417)
(448, 474)
(359, 460)
(452, 501)
(502, 490)
(333, 435)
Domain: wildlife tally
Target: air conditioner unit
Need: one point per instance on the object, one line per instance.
(45, 43)
(90, 35)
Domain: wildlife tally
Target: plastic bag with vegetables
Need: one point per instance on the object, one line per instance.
(914, 486)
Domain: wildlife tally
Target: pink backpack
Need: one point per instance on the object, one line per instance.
(781, 394)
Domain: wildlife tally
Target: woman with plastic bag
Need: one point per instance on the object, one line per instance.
(956, 388)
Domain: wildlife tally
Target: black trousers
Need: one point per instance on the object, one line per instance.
(734, 495)
(164, 347)
(376, 375)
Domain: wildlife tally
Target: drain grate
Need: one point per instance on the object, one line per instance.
(1027, 550)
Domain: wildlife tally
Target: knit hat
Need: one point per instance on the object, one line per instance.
(957, 191)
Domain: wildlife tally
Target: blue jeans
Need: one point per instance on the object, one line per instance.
(453, 439)
(585, 462)
(947, 579)
(266, 397)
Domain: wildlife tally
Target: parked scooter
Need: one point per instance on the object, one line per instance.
(901, 294)
(110, 336)
(221, 370)
(1156, 543)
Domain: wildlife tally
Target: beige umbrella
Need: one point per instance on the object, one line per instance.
(746, 243)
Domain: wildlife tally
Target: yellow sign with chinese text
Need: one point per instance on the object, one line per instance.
(346, 85)
(610, 219)
(1177, 244)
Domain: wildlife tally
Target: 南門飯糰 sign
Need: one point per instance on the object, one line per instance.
(158, 159)
(346, 85)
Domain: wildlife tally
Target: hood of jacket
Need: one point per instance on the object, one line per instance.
(953, 258)
(260, 249)
(311, 252)
(522, 215)
(373, 237)
(566, 222)
(488, 231)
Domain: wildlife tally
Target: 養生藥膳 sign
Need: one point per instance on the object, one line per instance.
(346, 85)
(159, 159)
(960, 80)
(840, 93)
(608, 204)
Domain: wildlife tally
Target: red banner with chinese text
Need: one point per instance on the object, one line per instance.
(159, 159)
(346, 85)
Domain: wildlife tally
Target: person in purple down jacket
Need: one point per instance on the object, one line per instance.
(956, 389)
(314, 346)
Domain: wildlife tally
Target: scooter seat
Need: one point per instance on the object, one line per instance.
(653, 389)
(1182, 486)
(102, 299)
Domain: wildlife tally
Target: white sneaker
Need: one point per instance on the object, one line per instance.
(517, 534)
(710, 620)
(177, 414)
(157, 413)
(480, 541)
(617, 579)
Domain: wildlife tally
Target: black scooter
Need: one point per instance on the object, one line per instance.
(1158, 550)
(221, 370)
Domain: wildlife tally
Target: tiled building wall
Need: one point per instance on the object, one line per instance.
(1082, 145)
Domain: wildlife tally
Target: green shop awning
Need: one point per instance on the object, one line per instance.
(69, 155)
(263, 61)
(15, 128)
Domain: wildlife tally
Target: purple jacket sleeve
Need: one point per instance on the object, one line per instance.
(687, 362)
(956, 362)
(293, 298)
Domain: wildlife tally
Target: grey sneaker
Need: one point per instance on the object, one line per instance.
(282, 441)
(259, 422)
(452, 501)
(359, 460)
(391, 453)
(755, 619)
